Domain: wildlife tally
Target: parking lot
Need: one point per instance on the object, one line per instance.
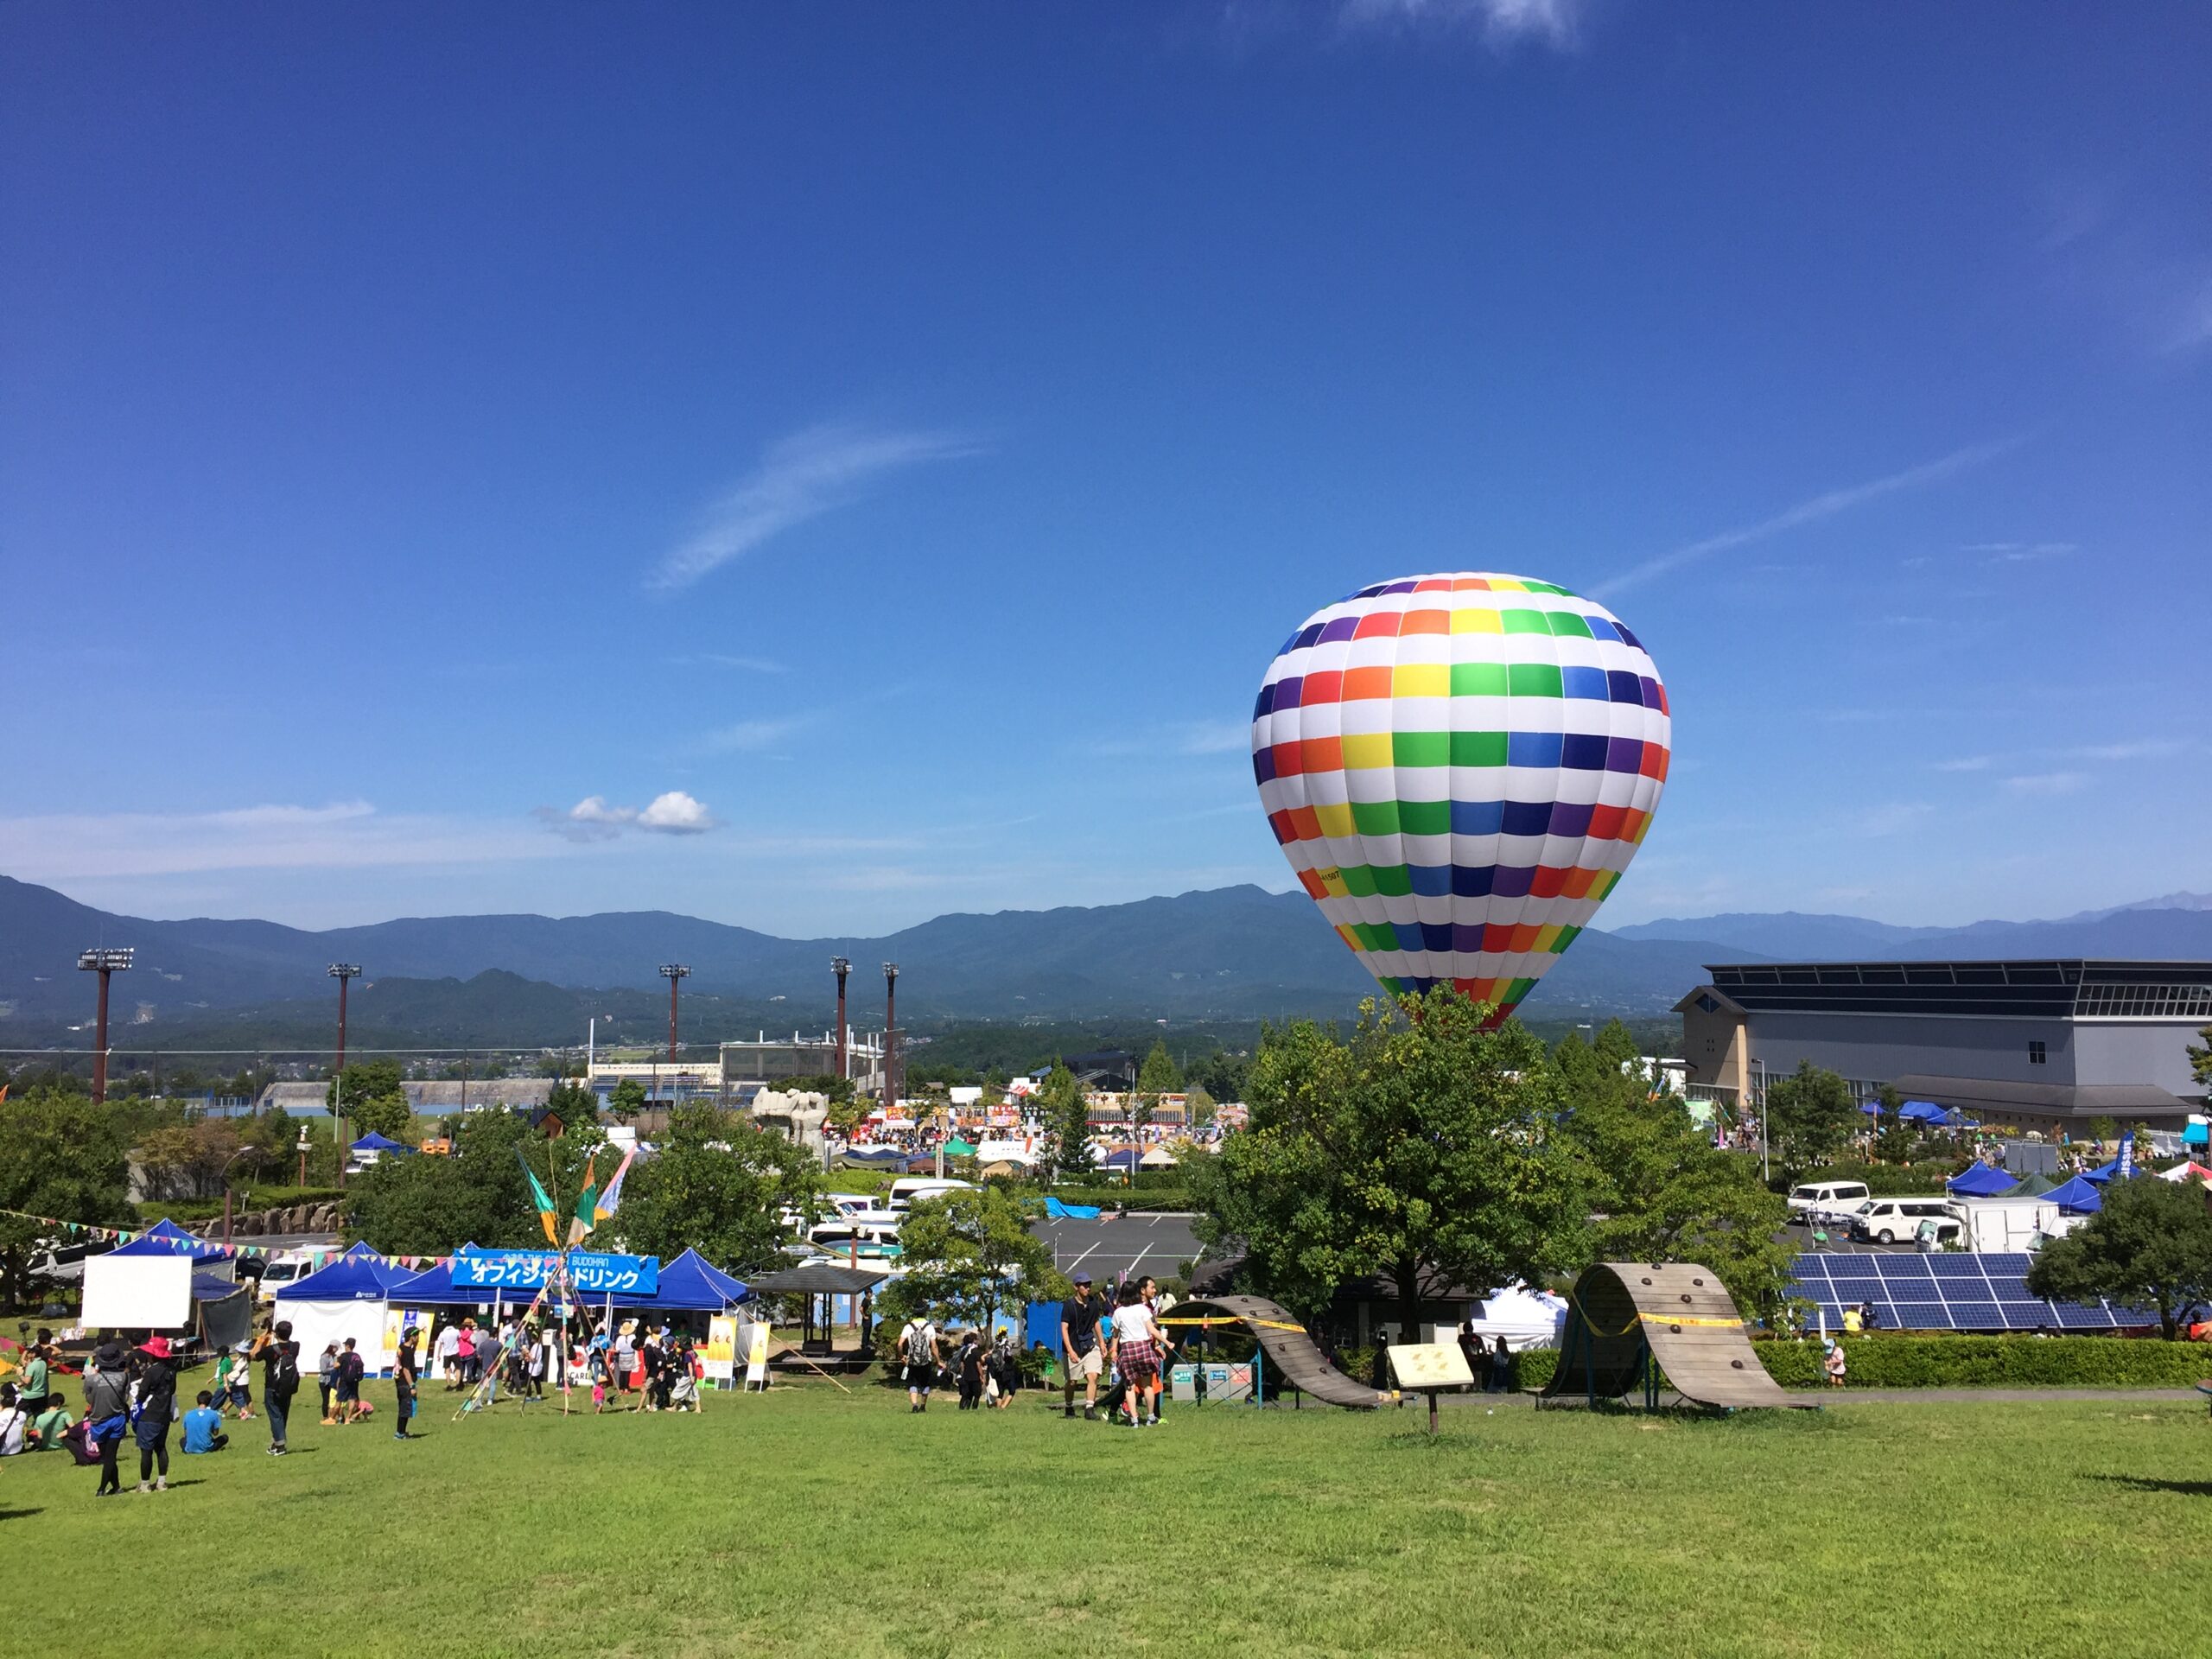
(1107, 1248)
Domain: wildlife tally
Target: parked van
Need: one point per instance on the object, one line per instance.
(1825, 1195)
(842, 1235)
(1896, 1221)
(285, 1267)
(911, 1189)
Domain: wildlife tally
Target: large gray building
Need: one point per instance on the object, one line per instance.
(2028, 1045)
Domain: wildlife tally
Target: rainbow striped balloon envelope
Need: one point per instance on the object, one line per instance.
(1458, 768)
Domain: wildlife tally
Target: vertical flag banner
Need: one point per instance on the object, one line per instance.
(538, 1197)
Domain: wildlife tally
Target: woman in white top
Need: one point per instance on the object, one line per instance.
(1136, 1356)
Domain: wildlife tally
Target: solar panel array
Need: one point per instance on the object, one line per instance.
(1944, 1292)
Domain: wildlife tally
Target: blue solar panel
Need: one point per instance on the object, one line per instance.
(1976, 1316)
(2073, 1317)
(1955, 1267)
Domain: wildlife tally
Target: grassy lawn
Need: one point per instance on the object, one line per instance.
(809, 1521)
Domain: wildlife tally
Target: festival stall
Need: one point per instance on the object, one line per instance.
(165, 1237)
(345, 1299)
(1982, 1181)
(1525, 1318)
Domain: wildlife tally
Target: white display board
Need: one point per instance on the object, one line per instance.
(138, 1293)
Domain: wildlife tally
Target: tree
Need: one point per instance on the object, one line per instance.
(1810, 1118)
(477, 1194)
(187, 1161)
(2151, 1246)
(1065, 1112)
(1160, 1075)
(720, 1185)
(2199, 1057)
(628, 1100)
(576, 1106)
(1423, 1151)
(1222, 1074)
(969, 1254)
(373, 1096)
(59, 1156)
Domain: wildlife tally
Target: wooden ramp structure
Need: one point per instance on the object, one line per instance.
(1290, 1352)
(1657, 1327)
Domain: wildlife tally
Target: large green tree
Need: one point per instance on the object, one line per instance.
(2199, 1057)
(1424, 1151)
(59, 1156)
(628, 1100)
(1064, 1111)
(1810, 1118)
(428, 1205)
(719, 1185)
(969, 1255)
(1158, 1074)
(2149, 1247)
(371, 1096)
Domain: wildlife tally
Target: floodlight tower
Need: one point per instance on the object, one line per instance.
(103, 961)
(345, 973)
(675, 973)
(840, 967)
(890, 1035)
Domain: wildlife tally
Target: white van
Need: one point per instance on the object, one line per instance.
(1825, 1195)
(911, 1189)
(287, 1266)
(1896, 1221)
(842, 1234)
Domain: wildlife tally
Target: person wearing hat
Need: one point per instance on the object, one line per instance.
(1080, 1344)
(155, 1409)
(107, 1394)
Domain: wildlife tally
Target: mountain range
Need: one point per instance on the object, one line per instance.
(1231, 952)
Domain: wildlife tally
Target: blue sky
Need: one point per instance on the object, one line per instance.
(818, 468)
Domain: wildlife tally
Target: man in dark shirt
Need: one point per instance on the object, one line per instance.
(351, 1370)
(402, 1383)
(280, 1380)
(649, 1362)
(1079, 1349)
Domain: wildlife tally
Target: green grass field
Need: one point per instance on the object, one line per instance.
(809, 1521)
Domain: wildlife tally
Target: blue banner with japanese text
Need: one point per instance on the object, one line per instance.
(593, 1273)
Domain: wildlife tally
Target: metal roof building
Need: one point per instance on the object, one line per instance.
(2045, 1044)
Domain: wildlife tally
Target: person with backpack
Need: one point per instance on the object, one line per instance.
(280, 1380)
(917, 1347)
(107, 1412)
(968, 1370)
(351, 1367)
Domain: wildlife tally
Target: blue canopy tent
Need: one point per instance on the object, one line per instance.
(165, 1237)
(690, 1284)
(2077, 1196)
(434, 1288)
(345, 1299)
(374, 1142)
(2102, 1173)
(1982, 1181)
(1118, 1160)
(1924, 1111)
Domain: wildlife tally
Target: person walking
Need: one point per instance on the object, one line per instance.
(280, 1380)
(917, 1347)
(968, 1370)
(1136, 1356)
(404, 1382)
(1005, 1372)
(448, 1351)
(1080, 1344)
(107, 1407)
(351, 1370)
(326, 1377)
(154, 1410)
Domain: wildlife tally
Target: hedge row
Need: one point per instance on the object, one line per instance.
(1900, 1362)
(1888, 1180)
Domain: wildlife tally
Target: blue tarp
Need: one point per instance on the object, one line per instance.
(1060, 1212)
(691, 1284)
(360, 1276)
(212, 1287)
(1120, 1160)
(2078, 1195)
(165, 1237)
(1924, 1110)
(1983, 1181)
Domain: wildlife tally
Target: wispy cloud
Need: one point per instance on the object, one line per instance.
(724, 659)
(2021, 552)
(752, 736)
(1967, 763)
(1185, 737)
(1502, 23)
(673, 813)
(799, 478)
(2047, 783)
(2140, 748)
(1824, 506)
(345, 834)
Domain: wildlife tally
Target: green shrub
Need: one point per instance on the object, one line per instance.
(247, 1202)
(1886, 1361)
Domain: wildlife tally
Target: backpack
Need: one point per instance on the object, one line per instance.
(918, 1344)
(284, 1369)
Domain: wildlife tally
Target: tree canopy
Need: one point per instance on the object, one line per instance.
(427, 1205)
(717, 1183)
(1810, 1117)
(372, 1095)
(969, 1255)
(2150, 1246)
(1158, 1074)
(1065, 1112)
(1423, 1151)
(59, 1156)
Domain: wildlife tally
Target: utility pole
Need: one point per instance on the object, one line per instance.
(840, 967)
(675, 973)
(104, 962)
(345, 973)
(890, 1036)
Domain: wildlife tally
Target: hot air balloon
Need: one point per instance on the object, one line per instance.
(1458, 768)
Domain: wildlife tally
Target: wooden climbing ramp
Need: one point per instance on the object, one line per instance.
(1292, 1355)
(1655, 1327)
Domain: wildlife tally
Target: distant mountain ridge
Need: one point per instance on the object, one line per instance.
(1230, 951)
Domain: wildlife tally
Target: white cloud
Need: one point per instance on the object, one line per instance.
(799, 478)
(751, 737)
(1504, 23)
(1825, 505)
(673, 813)
(2143, 748)
(1967, 763)
(1182, 737)
(2021, 552)
(676, 813)
(2046, 783)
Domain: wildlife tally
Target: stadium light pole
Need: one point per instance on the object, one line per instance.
(345, 973)
(890, 1037)
(675, 973)
(840, 967)
(103, 961)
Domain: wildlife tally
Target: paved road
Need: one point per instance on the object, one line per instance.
(1156, 1243)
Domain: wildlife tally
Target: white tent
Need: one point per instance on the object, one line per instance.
(1525, 1318)
(1158, 1158)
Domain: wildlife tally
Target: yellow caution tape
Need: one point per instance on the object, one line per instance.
(1231, 1318)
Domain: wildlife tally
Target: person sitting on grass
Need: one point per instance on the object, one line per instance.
(15, 1421)
(50, 1425)
(203, 1427)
